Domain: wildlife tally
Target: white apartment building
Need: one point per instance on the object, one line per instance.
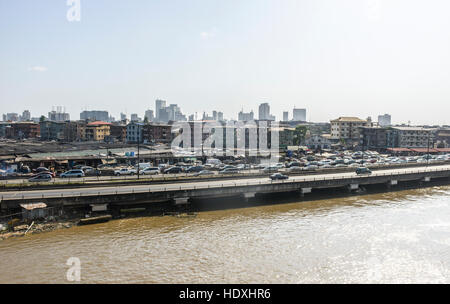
(347, 127)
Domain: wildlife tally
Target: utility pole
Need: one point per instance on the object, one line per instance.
(428, 149)
(139, 146)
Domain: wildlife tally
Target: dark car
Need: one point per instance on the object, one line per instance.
(41, 169)
(52, 174)
(194, 169)
(41, 178)
(293, 164)
(173, 170)
(363, 170)
(278, 176)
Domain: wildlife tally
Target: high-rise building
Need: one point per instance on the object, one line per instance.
(299, 114)
(11, 117)
(159, 105)
(26, 116)
(95, 116)
(384, 120)
(135, 117)
(123, 116)
(149, 115)
(246, 116)
(285, 116)
(220, 116)
(264, 111)
(58, 114)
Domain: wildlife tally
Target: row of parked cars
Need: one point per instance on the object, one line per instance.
(44, 175)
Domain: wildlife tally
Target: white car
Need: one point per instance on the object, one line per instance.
(149, 171)
(125, 171)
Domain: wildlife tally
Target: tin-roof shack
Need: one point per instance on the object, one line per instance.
(34, 211)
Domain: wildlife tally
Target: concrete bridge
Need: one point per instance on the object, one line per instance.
(181, 193)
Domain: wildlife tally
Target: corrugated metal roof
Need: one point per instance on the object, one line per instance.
(33, 206)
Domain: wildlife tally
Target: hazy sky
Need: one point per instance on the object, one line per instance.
(333, 57)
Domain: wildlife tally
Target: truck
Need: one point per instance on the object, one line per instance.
(125, 171)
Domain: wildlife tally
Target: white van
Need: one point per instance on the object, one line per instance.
(213, 161)
(143, 165)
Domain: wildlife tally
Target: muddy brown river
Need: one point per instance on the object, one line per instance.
(395, 237)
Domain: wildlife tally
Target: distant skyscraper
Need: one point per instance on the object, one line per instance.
(220, 116)
(135, 117)
(123, 116)
(59, 114)
(149, 115)
(11, 117)
(384, 120)
(246, 116)
(285, 116)
(95, 116)
(26, 115)
(264, 111)
(299, 115)
(159, 105)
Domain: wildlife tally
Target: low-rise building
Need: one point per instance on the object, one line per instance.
(134, 132)
(157, 133)
(345, 128)
(118, 132)
(415, 137)
(23, 130)
(317, 141)
(97, 131)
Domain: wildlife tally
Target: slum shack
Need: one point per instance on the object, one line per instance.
(34, 211)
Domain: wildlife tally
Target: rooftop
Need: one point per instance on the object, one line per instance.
(349, 119)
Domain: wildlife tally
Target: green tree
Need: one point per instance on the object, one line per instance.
(145, 120)
(299, 135)
(42, 118)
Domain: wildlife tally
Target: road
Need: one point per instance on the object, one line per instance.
(174, 186)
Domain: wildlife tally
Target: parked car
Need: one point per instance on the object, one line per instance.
(149, 171)
(125, 171)
(270, 169)
(173, 170)
(194, 169)
(311, 168)
(293, 164)
(52, 174)
(204, 172)
(363, 170)
(278, 176)
(73, 173)
(294, 169)
(41, 178)
(229, 171)
(41, 169)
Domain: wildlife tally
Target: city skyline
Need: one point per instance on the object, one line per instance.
(352, 59)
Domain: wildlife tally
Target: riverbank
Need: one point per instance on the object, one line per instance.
(24, 229)
(72, 217)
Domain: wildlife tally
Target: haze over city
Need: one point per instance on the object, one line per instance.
(334, 58)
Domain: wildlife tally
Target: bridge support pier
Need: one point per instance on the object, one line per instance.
(352, 187)
(99, 207)
(304, 191)
(181, 200)
(248, 195)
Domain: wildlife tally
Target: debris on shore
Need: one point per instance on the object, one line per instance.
(22, 230)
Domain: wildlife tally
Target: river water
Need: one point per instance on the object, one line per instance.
(394, 237)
